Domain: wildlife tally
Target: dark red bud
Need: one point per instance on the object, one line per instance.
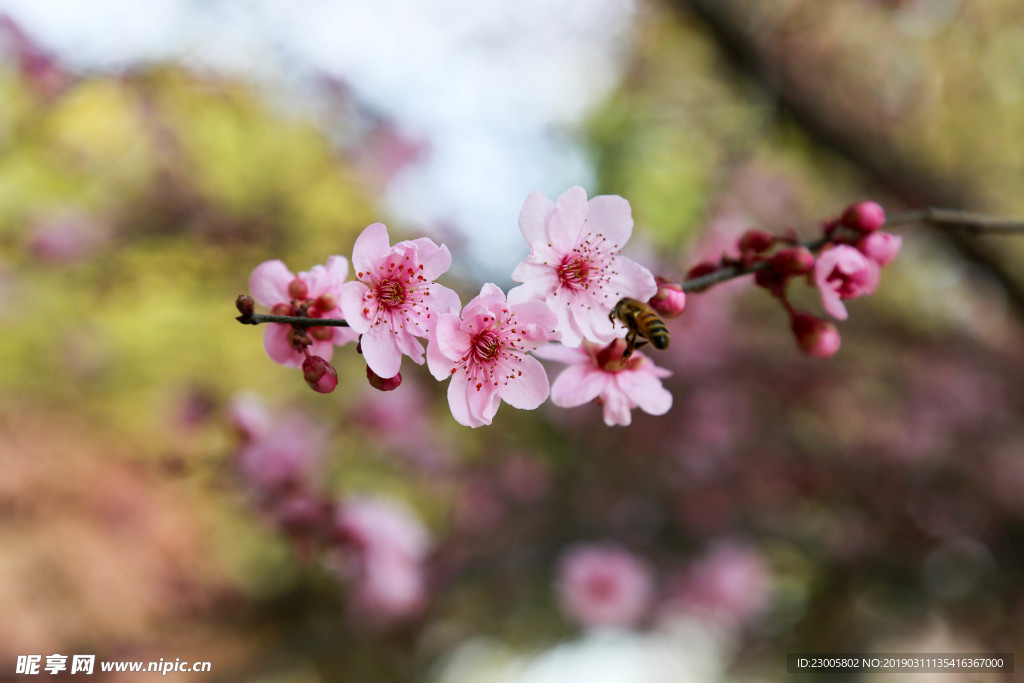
(383, 384)
(756, 240)
(793, 261)
(245, 305)
(670, 299)
(817, 338)
(319, 374)
(771, 280)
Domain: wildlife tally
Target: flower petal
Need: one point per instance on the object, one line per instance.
(483, 401)
(632, 280)
(576, 385)
(610, 216)
(371, 247)
(435, 259)
(380, 350)
(644, 389)
(269, 283)
(353, 305)
(527, 390)
(440, 366)
(533, 218)
(452, 341)
(277, 344)
(616, 409)
(458, 400)
(566, 221)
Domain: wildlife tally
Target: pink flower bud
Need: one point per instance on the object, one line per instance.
(321, 333)
(817, 338)
(756, 240)
(793, 261)
(282, 309)
(864, 216)
(670, 299)
(297, 289)
(319, 374)
(880, 247)
(325, 303)
(383, 384)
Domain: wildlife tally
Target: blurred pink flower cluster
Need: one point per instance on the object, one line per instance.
(379, 545)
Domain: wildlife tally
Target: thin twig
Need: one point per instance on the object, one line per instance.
(259, 318)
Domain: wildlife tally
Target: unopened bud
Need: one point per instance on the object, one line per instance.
(297, 289)
(756, 240)
(319, 374)
(793, 261)
(321, 333)
(771, 280)
(245, 305)
(880, 247)
(817, 338)
(701, 269)
(325, 303)
(383, 384)
(282, 309)
(864, 216)
(669, 300)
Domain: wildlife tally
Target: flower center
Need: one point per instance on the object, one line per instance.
(391, 293)
(487, 346)
(573, 272)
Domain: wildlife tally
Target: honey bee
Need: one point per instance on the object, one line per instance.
(642, 323)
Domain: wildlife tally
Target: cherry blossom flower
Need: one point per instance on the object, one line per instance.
(604, 585)
(817, 338)
(730, 582)
(574, 264)
(388, 545)
(841, 273)
(484, 352)
(880, 247)
(597, 372)
(314, 294)
(394, 298)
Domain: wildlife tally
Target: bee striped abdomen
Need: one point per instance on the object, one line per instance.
(656, 332)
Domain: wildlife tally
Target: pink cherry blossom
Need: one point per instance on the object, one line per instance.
(387, 545)
(880, 247)
(597, 372)
(318, 292)
(574, 264)
(394, 298)
(281, 455)
(604, 585)
(730, 582)
(817, 338)
(485, 354)
(841, 273)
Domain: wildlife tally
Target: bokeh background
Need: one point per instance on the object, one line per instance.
(151, 154)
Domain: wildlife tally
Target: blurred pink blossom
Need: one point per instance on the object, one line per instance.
(596, 372)
(274, 286)
(395, 298)
(880, 247)
(66, 238)
(841, 273)
(604, 585)
(485, 354)
(284, 455)
(388, 545)
(730, 582)
(574, 264)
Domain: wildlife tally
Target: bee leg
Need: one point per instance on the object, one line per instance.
(630, 345)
